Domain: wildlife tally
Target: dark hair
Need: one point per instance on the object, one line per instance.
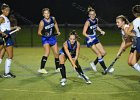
(90, 9)
(74, 33)
(4, 6)
(136, 10)
(45, 9)
(123, 18)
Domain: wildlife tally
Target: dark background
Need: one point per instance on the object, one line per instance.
(71, 11)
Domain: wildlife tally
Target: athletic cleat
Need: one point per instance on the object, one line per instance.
(88, 82)
(63, 84)
(63, 81)
(93, 66)
(9, 75)
(42, 71)
(57, 70)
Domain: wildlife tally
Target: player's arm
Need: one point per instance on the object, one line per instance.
(85, 29)
(56, 26)
(16, 28)
(100, 30)
(128, 41)
(2, 21)
(68, 54)
(77, 51)
(129, 30)
(40, 28)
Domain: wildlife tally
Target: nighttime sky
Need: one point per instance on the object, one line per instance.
(72, 11)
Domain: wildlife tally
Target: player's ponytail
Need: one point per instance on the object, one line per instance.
(4, 6)
(123, 18)
(90, 9)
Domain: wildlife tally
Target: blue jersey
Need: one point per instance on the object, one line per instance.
(48, 29)
(92, 27)
(72, 49)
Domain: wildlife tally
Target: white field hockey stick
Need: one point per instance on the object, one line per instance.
(111, 65)
(14, 31)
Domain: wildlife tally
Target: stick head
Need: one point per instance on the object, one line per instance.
(104, 73)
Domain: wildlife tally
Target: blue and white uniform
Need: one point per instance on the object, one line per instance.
(6, 28)
(48, 32)
(136, 24)
(72, 49)
(91, 32)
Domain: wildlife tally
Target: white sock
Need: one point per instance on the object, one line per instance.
(0, 60)
(137, 67)
(7, 65)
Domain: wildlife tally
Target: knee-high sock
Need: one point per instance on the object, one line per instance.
(7, 65)
(57, 62)
(43, 62)
(63, 70)
(96, 60)
(101, 61)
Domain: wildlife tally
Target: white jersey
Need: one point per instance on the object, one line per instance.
(136, 24)
(122, 31)
(6, 25)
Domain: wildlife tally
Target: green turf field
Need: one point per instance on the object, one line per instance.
(29, 85)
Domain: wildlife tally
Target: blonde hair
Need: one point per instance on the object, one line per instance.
(45, 9)
(90, 9)
(123, 18)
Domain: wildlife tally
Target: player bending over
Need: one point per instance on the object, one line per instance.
(127, 41)
(135, 25)
(70, 50)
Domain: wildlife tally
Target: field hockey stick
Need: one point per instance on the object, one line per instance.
(51, 35)
(14, 31)
(93, 38)
(11, 32)
(111, 65)
(55, 34)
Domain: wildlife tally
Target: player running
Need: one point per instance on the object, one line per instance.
(13, 23)
(89, 31)
(5, 29)
(46, 30)
(70, 50)
(127, 41)
(135, 25)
